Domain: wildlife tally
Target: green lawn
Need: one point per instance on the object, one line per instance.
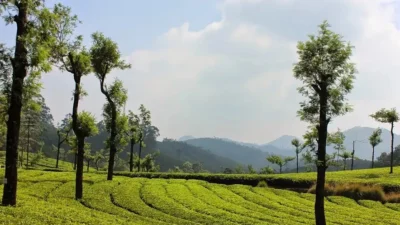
(47, 198)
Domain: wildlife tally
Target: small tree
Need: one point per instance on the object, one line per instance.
(87, 127)
(375, 139)
(250, 169)
(88, 155)
(63, 131)
(149, 164)
(298, 148)
(105, 57)
(239, 169)
(133, 135)
(187, 167)
(144, 125)
(309, 160)
(388, 116)
(266, 170)
(197, 167)
(281, 162)
(345, 155)
(325, 69)
(337, 139)
(98, 156)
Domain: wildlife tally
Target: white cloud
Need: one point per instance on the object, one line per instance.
(233, 78)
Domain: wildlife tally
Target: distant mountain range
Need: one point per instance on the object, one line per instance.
(282, 145)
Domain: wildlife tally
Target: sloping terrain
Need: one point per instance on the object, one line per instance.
(47, 198)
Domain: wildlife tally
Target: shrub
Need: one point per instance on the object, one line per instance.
(353, 191)
(262, 184)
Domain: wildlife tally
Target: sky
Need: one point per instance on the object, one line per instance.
(224, 67)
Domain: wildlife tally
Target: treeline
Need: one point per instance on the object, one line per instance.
(45, 38)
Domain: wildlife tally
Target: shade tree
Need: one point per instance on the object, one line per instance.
(298, 149)
(106, 57)
(36, 29)
(389, 116)
(374, 140)
(327, 75)
(280, 161)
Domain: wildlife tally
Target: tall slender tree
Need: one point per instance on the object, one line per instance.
(33, 41)
(144, 129)
(69, 55)
(375, 139)
(63, 132)
(389, 116)
(325, 69)
(118, 94)
(106, 57)
(298, 148)
(133, 131)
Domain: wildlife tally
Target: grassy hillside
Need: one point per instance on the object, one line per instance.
(43, 163)
(47, 198)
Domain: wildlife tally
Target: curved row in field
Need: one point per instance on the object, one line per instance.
(47, 198)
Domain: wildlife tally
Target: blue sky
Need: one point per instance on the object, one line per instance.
(224, 68)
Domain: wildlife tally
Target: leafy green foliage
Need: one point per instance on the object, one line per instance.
(275, 159)
(118, 94)
(375, 138)
(345, 155)
(386, 116)
(105, 56)
(324, 67)
(87, 124)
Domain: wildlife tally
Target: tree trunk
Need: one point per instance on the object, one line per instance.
(391, 149)
(280, 169)
(131, 156)
(297, 162)
(27, 149)
(75, 161)
(344, 164)
(75, 126)
(352, 156)
(79, 168)
(88, 163)
(321, 165)
(373, 153)
(58, 149)
(140, 154)
(20, 71)
(337, 160)
(113, 133)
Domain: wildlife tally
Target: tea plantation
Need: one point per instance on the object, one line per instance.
(47, 198)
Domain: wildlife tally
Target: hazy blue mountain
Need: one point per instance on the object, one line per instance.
(186, 137)
(363, 149)
(174, 153)
(283, 142)
(237, 152)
